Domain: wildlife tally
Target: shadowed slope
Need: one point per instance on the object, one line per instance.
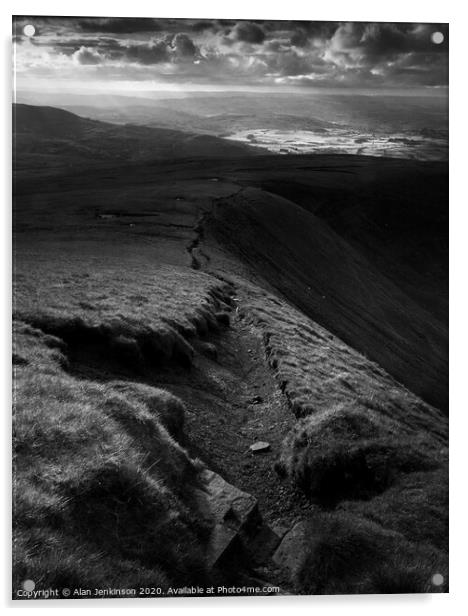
(46, 136)
(394, 212)
(331, 282)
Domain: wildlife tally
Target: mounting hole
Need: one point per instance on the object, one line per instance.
(437, 38)
(29, 30)
(29, 585)
(438, 579)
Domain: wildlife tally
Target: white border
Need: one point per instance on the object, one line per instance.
(355, 10)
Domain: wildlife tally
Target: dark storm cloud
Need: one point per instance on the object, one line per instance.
(226, 22)
(18, 23)
(248, 32)
(154, 52)
(274, 45)
(382, 39)
(177, 48)
(183, 46)
(374, 40)
(118, 25)
(170, 48)
(70, 45)
(300, 38)
(201, 26)
(211, 51)
(398, 53)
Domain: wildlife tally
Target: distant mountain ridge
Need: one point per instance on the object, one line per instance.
(52, 136)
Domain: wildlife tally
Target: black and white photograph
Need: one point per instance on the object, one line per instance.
(230, 307)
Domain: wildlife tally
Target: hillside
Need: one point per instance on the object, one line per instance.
(224, 112)
(48, 137)
(329, 280)
(393, 256)
(171, 312)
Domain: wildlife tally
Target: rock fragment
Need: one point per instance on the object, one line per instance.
(260, 447)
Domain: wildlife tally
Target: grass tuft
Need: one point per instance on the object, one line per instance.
(344, 455)
(347, 555)
(104, 493)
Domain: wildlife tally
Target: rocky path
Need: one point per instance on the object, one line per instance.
(233, 402)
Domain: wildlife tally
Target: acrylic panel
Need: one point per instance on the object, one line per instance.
(230, 307)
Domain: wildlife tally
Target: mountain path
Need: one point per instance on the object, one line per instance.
(233, 401)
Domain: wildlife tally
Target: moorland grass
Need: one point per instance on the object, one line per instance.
(130, 317)
(344, 455)
(97, 473)
(368, 452)
(346, 554)
(103, 491)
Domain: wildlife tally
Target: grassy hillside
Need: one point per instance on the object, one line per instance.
(403, 244)
(50, 137)
(103, 491)
(394, 212)
(127, 366)
(100, 484)
(323, 275)
(371, 455)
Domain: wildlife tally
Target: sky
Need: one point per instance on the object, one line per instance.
(145, 54)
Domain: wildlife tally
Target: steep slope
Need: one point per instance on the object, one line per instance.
(371, 457)
(300, 256)
(394, 212)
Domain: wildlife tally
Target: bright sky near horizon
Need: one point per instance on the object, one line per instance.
(145, 54)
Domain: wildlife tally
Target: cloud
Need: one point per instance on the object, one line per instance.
(154, 52)
(118, 25)
(177, 48)
(290, 63)
(355, 42)
(248, 32)
(378, 51)
(201, 26)
(275, 45)
(87, 55)
(299, 38)
(183, 46)
(305, 33)
(385, 39)
(354, 54)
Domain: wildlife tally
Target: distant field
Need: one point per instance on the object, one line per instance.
(342, 140)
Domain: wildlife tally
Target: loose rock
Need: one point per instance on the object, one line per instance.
(291, 551)
(260, 447)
